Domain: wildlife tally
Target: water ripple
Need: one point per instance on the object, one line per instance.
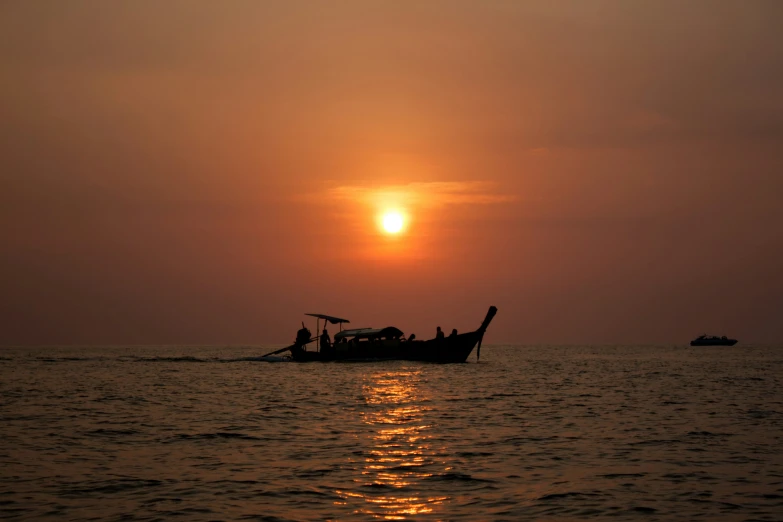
(531, 433)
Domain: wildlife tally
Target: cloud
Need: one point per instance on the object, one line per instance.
(424, 194)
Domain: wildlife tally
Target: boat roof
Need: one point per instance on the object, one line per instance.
(360, 333)
(331, 319)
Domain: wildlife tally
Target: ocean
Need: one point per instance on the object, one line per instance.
(529, 433)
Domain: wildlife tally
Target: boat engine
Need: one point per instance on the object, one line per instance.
(302, 336)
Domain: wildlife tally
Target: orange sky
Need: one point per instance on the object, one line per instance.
(205, 172)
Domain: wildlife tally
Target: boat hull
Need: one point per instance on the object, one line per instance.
(453, 349)
(716, 342)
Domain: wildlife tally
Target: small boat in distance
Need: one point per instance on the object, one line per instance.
(713, 340)
(384, 344)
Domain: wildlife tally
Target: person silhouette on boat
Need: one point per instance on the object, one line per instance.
(453, 333)
(439, 334)
(326, 342)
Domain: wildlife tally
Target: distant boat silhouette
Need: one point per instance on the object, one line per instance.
(383, 344)
(713, 340)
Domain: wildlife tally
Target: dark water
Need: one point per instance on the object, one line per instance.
(544, 433)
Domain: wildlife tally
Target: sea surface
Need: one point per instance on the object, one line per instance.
(529, 433)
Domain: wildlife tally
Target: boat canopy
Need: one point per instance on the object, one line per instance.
(331, 319)
(369, 333)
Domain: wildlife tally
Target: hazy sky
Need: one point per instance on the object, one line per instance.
(206, 172)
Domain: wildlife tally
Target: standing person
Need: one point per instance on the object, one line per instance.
(439, 335)
(326, 342)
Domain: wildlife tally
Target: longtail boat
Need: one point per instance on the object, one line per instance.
(382, 344)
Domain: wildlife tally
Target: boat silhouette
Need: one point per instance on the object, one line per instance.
(713, 340)
(383, 344)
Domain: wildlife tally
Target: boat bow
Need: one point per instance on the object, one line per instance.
(483, 328)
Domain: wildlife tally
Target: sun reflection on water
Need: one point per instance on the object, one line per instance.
(401, 453)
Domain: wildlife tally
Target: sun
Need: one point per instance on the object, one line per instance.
(392, 222)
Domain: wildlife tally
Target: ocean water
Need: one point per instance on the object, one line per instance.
(529, 433)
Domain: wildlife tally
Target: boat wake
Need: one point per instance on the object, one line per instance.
(272, 358)
(268, 358)
(156, 359)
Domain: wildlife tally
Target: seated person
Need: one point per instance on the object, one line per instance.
(453, 333)
(439, 334)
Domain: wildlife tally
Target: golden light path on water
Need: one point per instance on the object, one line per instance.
(401, 452)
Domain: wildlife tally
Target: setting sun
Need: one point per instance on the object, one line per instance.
(392, 222)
